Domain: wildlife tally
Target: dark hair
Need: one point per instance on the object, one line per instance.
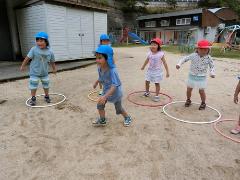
(159, 47)
(104, 55)
(46, 41)
(197, 50)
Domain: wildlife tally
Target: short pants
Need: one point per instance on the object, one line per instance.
(34, 82)
(118, 107)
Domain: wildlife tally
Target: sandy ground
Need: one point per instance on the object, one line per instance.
(60, 143)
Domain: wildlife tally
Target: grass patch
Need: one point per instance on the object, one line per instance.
(215, 52)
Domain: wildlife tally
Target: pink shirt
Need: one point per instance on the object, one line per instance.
(155, 60)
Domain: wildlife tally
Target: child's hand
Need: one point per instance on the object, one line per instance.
(142, 68)
(167, 75)
(102, 100)
(235, 99)
(212, 76)
(177, 67)
(22, 68)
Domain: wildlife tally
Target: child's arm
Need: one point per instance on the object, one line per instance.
(165, 65)
(212, 68)
(103, 99)
(237, 91)
(54, 69)
(145, 63)
(25, 62)
(183, 60)
(95, 84)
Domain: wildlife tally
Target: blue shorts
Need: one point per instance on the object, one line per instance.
(34, 82)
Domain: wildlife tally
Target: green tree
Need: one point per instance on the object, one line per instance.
(172, 3)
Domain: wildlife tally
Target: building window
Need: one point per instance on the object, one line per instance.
(183, 21)
(150, 24)
(165, 23)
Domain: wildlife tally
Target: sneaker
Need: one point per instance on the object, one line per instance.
(236, 130)
(202, 106)
(146, 94)
(47, 99)
(156, 99)
(100, 122)
(127, 121)
(188, 103)
(33, 101)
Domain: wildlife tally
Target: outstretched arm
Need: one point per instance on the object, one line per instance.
(212, 68)
(53, 64)
(25, 62)
(145, 63)
(166, 66)
(183, 60)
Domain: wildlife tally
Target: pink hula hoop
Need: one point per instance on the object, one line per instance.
(148, 105)
(221, 133)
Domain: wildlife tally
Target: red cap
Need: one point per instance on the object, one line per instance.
(157, 40)
(204, 44)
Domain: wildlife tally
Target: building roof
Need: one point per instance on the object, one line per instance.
(176, 13)
(90, 4)
(214, 10)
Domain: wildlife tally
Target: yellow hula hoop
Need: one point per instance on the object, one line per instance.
(93, 99)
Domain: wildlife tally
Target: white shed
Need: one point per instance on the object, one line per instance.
(73, 31)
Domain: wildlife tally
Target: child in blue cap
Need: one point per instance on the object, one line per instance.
(41, 56)
(104, 40)
(112, 91)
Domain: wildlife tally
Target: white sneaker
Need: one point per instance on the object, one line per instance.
(156, 99)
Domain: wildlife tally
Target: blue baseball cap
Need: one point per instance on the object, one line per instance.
(42, 35)
(104, 37)
(108, 51)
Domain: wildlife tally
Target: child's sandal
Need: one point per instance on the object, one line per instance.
(202, 106)
(188, 103)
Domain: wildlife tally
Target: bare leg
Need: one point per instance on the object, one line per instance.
(147, 84)
(33, 92)
(202, 95)
(189, 93)
(124, 114)
(157, 88)
(101, 113)
(46, 91)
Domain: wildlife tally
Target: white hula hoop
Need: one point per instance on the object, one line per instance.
(191, 122)
(50, 105)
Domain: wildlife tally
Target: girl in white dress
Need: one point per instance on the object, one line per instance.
(154, 74)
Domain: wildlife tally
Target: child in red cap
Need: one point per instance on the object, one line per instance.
(236, 130)
(200, 60)
(154, 74)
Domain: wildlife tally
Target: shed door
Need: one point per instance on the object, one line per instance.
(74, 36)
(87, 32)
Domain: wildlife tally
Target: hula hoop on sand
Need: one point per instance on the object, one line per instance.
(222, 133)
(148, 105)
(50, 105)
(93, 99)
(191, 122)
